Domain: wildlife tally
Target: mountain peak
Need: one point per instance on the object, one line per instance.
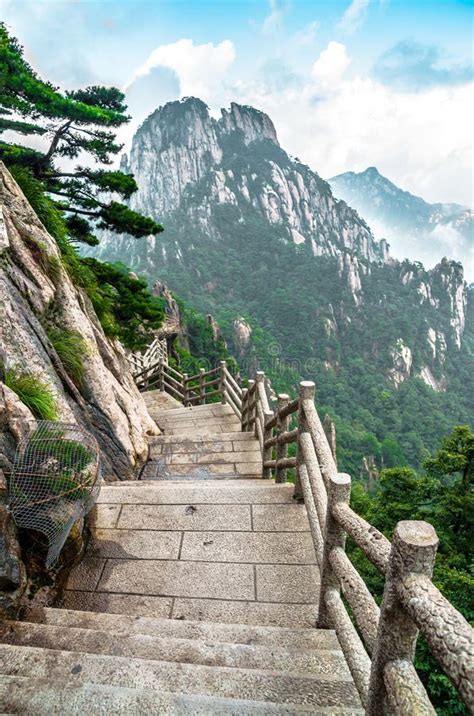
(254, 124)
(372, 171)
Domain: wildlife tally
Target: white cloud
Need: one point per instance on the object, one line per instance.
(273, 21)
(354, 15)
(336, 122)
(307, 35)
(331, 64)
(199, 68)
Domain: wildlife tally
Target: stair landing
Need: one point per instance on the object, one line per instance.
(223, 551)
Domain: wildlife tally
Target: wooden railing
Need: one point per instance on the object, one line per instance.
(378, 643)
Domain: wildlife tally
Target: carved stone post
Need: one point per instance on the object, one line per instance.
(266, 452)
(245, 408)
(222, 381)
(330, 432)
(335, 536)
(185, 389)
(413, 552)
(202, 389)
(162, 375)
(260, 381)
(282, 427)
(250, 425)
(306, 392)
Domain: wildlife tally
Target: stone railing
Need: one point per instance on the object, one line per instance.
(156, 350)
(378, 643)
(195, 389)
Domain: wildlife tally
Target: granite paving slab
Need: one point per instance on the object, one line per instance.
(185, 517)
(250, 547)
(181, 579)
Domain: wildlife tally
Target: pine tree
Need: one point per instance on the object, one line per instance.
(74, 124)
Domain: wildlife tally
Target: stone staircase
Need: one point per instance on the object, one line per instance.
(196, 596)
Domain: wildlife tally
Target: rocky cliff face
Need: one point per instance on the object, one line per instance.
(36, 293)
(180, 150)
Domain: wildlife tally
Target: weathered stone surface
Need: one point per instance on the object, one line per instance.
(12, 570)
(226, 682)
(185, 517)
(87, 574)
(105, 516)
(181, 579)
(108, 403)
(251, 547)
(23, 695)
(16, 421)
(143, 605)
(287, 583)
(246, 612)
(325, 663)
(138, 544)
(280, 518)
(215, 631)
(204, 493)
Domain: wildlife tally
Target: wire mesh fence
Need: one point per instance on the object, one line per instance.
(54, 481)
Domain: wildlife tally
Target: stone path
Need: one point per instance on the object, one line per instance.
(197, 594)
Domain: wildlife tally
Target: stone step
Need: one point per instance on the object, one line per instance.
(221, 437)
(40, 697)
(225, 611)
(191, 493)
(213, 447)
(200, 410)
(186, 651)
(127, 624)
(163, 470)
(209, 457)
(223, 682)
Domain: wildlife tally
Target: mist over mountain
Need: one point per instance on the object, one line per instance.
(412, 226)
(297, 281)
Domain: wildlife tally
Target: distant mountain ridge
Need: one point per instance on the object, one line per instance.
(413, 227)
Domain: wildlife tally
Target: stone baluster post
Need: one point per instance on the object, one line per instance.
(185, 388)
(413, 552)
(266, 452)
(330, 432)
(250, 411)
(281, 427)
(259, 380)
(222, 381)
(334, 536)
(245, 408)
(162, 375)
(202, 389)
(306, 392)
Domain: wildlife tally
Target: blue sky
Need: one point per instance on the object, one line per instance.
(347, 84)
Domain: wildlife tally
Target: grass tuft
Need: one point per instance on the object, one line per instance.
(36, 395)
(72, 349)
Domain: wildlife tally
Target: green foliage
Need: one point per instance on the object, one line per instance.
(72, 350)
(77, 122)
(124, 305)
(444, 496)
(36, 395)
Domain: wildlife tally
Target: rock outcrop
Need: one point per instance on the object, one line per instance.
(36, 292)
